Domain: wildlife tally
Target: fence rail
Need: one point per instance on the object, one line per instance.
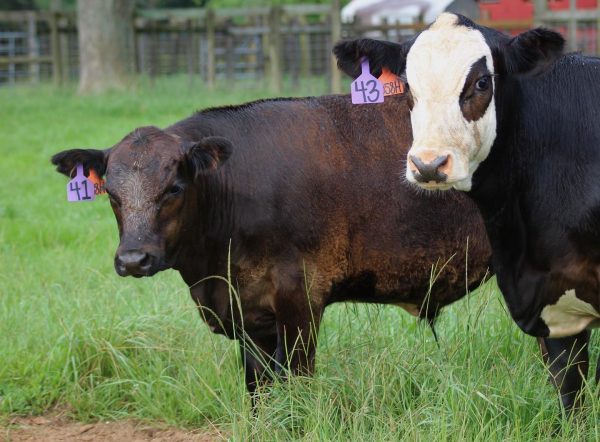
(260, 42)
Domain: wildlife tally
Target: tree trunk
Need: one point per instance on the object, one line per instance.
(105, 29)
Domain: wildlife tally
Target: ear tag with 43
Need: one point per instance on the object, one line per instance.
(366, 89)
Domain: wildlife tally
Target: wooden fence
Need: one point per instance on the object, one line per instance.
(271, 42)
(292, 40)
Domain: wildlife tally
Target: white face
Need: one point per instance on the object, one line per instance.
(450, 70)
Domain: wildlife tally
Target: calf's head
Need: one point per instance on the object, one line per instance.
(151, 180)
(454, 70)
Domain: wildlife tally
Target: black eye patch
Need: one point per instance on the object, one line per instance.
(477, 91)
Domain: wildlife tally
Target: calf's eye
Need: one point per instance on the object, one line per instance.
(175, 190)
(482, 84)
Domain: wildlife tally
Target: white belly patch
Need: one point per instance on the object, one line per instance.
(569, 316)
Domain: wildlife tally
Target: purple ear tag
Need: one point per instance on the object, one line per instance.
(80, 188)
(366, 89)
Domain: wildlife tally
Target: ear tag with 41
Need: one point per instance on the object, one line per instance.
(366, 89)
(80, 188)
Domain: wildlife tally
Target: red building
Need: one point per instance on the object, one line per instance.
(498, 10)
(515, 10)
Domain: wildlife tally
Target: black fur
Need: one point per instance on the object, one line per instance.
(67, 161)
(380, 54)
(532, 51)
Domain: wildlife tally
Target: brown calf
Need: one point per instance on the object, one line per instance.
(302, 203)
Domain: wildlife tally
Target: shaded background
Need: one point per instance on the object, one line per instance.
(230, 40)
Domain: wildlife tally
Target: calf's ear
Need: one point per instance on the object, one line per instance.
(208, 154)
(533, 51)
(67, 160)
(380, 53)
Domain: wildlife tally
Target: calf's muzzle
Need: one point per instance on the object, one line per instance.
(136, 263)
(425, 172)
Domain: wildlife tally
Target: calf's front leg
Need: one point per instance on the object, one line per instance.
(568, 361)
(598, 374)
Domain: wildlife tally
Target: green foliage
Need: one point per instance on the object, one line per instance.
(17, 5)
(74, 335)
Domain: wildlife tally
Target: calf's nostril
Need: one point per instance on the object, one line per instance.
(145, 261)
(440, 161)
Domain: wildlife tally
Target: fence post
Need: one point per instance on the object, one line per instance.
(55, 49)
(210, 48)
(292, 48)
(192, 50)
(33, 47)
(154, 59)
(572, 26)
(62, 22)
(142, 47)
(336, 35)
(304, 42)
(275, 49)
(598, 29)
(173, 44)
(135, 48)
(229, 54)
(386, 30)
(262, 44)
(539, 12)
(57, 75)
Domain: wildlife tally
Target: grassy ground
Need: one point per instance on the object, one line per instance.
(74, 335)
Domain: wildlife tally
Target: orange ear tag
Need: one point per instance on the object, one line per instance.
(98, 182)
(392, 84)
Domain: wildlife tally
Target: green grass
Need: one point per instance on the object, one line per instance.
(75, 336)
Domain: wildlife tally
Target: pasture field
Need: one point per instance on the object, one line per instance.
(77, 338)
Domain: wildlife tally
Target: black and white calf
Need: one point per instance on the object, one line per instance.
(514, 123)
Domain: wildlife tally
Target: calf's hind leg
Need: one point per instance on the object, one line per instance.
(568, 361)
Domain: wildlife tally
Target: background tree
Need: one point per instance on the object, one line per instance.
(105, 32)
